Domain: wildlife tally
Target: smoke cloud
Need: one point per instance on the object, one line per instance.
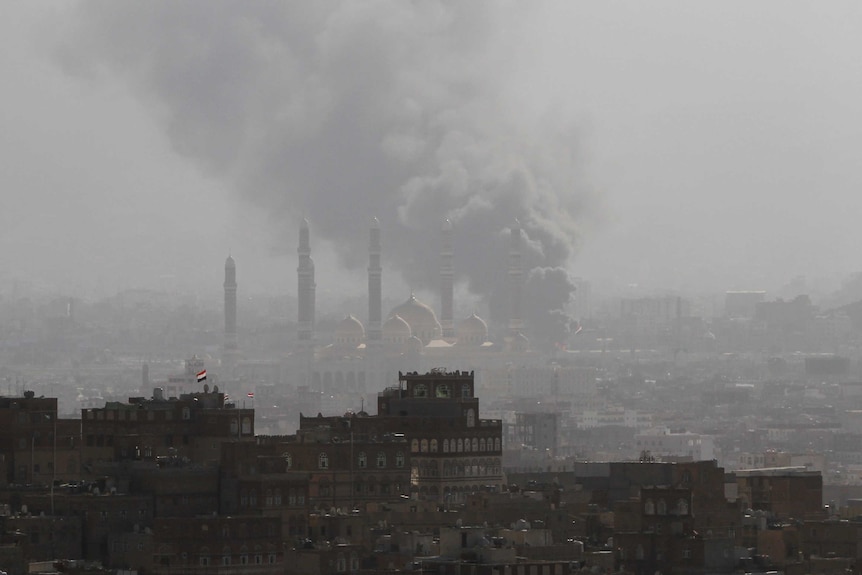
(342, 111)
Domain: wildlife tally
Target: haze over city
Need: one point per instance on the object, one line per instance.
(680, 147)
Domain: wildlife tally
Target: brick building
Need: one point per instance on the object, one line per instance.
(192, 426)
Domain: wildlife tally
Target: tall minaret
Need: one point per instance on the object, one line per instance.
(230, 341)
(305, 287)
(375, 286)
(516, 274)
(446, 283)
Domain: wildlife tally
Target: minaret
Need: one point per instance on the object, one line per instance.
(230, 340)
(375, 287)
(446, 283)
(305, 287)
(516, 274)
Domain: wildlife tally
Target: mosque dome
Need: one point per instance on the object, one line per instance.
(396, 330)
(349, 332)
(472, 331)
(421, 319)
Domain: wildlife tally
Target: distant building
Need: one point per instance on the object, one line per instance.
(663, 441)
(742, 304)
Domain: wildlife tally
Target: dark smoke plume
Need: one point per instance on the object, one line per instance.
(342, 111)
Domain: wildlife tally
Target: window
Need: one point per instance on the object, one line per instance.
(399, 459)
(246, 426)
(471, 418)
(421, 390)
(381, 460)
(661, 507)
(445, 446)
(649, 507)
(465, 391)
(323, 461)
(424, 446)
(433, 446)
(277, 497)
(460, 445)
(414, 446)
(288, 460)
(475, 444)
(443, 390)
(362, 460)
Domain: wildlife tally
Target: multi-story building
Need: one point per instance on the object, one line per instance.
(191, 426)
(427, 439)
(35, 446)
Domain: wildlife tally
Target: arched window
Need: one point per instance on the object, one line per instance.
(341, 566)
(276, 498)
(433, 446)
(471, 418)
(423, 446)
(246, 425)
(288, 460)
(481, 444)
(661, 507)
(268, 498)
(445, 446)
(243, 498)
(421, 390)
(399, 459)
(649, 507)
(381, 460)
(252, 498)
(362, 460)
(443, 390)
(323, 461)
(682, 507)
(639, 552)
(460, 445)
(465, 390)
(234, 426)
(414, 446)
(474, 443)
(497, 444)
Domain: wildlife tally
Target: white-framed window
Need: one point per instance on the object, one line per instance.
(362, 460)
(399, 459)
(323, 461)
(381, 460)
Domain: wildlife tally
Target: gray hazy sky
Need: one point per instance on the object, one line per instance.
(704, 145)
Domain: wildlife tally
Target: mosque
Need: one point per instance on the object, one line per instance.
(362, 358)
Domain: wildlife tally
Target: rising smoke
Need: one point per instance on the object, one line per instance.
(341, 111)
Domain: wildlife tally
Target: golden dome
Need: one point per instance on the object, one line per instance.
(396, 330)
(349, 331)
(473, 331)
(421, 319)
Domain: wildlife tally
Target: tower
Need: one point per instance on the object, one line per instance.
(446, 283)
(305, 286)
(375, 288)
(516, 274)
(230, 340)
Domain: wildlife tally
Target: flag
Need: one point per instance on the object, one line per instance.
(250, 394)
(202, 375)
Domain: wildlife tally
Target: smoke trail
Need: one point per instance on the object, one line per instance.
(341, 111)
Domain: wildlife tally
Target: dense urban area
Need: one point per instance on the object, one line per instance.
(158, 434)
